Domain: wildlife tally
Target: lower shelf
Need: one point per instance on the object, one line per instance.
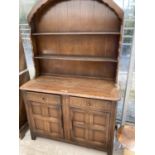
(76, 58)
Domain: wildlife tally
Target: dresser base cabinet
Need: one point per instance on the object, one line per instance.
(83, 121)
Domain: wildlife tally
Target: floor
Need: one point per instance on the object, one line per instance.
(43, 146)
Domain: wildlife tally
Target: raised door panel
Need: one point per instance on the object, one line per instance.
(90, 127)
(45, 116)
(99, 126)
(79, 123)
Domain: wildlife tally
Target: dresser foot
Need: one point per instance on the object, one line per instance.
(33, 137)
(110, 153)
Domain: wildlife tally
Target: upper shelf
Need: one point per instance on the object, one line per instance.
(76, 58)
(76, 33)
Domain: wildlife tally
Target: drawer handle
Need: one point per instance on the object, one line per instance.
(43, 98)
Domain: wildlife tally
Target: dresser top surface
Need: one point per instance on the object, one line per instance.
(82, 87)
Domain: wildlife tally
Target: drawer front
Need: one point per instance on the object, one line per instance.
(92, 104)
(43, 98)
(45, 114)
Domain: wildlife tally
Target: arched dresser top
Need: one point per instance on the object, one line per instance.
(41, 4)
(81, 33)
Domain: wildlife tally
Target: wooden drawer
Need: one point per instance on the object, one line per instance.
(43, 98)
(92, 104)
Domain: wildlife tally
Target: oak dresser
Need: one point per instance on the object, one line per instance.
(73, 96)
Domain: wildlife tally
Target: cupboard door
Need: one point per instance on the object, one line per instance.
(79, 121)
(45, 115)
(89, 126)
(98, 129)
